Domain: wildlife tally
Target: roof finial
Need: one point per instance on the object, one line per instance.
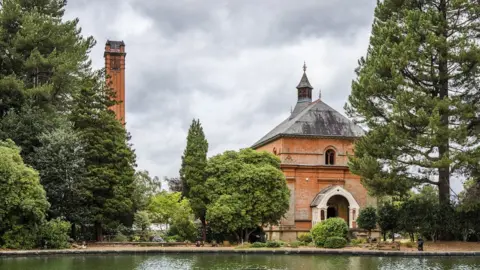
(304, 67)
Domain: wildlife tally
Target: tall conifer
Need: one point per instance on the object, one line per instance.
(415, 91)
(192, 171)
(109, 159)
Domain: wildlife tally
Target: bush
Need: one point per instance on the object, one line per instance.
(305, 237)
(335, 242)
(20, 237)
(329, 228)
(274, 244)
(295, 244)
(120, 237)
(258, 245)
(359, 241)
(54, 233)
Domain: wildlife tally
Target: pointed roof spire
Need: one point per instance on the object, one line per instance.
(304, 83)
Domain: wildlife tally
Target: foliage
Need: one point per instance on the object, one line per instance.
(273, 244)
(296, 244)
(247, 189)
(335, 242)
(120, 237)
(109, 159)
(305, 237)
(417, 92)
(387, 218)
(359, 241)
(23, 203)
(258, 245)
(60, 161)
(45, 57)
(170, 208)
(54, 234)
(367, 219)
(329, 228)
(192, 172)
(144, 188)
(142, 220)
(174, 184)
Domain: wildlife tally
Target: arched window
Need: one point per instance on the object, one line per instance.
(329, 157)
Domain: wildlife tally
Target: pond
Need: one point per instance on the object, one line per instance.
(235, 261)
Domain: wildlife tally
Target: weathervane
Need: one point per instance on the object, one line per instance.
(304, 66)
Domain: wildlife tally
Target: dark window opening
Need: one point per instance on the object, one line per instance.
(329, 157)
(115, 63)
(331, 212)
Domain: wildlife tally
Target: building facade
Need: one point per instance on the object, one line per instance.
(313, 144)
(115, 68)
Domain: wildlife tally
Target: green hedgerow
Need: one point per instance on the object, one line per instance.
(329, 228)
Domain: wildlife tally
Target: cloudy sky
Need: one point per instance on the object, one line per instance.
(232, 64)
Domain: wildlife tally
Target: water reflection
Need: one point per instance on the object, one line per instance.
(238, 261)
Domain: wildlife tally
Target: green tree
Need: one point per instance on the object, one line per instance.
(145, 187)
(414, 91)
(109, 159)
(247, 189)
(60, 162)
(367, 219)
(170, 208)
(388, 219)
(45, 56)
(23, 203)
(142, 221)
(192, 172)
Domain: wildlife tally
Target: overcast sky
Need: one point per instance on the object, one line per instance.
(232, 64)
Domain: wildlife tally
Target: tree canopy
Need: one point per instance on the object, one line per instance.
(246, 189)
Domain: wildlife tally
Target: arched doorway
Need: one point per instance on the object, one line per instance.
(334, 201)
(338, 207)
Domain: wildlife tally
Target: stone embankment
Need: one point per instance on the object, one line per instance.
(117, 250)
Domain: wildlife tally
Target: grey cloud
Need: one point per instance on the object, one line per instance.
(233, 64)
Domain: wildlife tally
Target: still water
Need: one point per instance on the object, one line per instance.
(236, 261)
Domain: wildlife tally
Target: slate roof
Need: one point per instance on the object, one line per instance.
(318, 198)
(315, 119)
(304, 83)
(115, 43)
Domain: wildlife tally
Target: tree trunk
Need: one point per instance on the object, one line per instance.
(393, 236)
(204, 229)
(99, 231)
(384, 236)
(73, 232)
(412, 237)
(443, 147)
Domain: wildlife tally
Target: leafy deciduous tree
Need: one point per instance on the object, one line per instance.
(367, 219)
(246, 189)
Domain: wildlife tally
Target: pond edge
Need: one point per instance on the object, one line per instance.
(31, 253)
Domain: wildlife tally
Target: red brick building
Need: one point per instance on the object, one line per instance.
(115, 67)
(313, 144)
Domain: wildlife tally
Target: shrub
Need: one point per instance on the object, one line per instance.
(274, 244)
(335, 242)
(54, 233)
(329, 228)
(258, 245)
(305, 237)
(409, 244)
(20, 237)
(356, 242)
(120, 237)
(295, 244)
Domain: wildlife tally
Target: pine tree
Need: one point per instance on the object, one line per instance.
(43, 59)
(192, 172)
(415, 91)
(109, 159)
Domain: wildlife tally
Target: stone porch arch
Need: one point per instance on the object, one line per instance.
(319, 205)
